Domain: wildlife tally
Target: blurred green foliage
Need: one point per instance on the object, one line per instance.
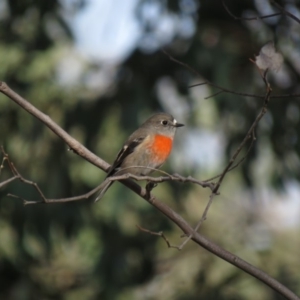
(83, 250)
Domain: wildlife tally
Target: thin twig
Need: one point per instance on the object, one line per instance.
(206, 82)
(161, 234)
(222, 89)
(4, 183)
(238, 163)
(203, 218)
(153, 180)
(44, 200)
(285, 12)
(192, 70)
(249, 18)
(250, 133)
(213, 95)
(168, 177)
(282, 12)
(225, 90)
(163, 208)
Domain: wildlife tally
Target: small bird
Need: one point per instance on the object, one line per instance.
(145, 150)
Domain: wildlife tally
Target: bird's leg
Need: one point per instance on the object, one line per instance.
(149, 187)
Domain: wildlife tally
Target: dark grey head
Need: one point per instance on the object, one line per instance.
(162, 123)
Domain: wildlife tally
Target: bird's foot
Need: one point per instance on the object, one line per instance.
(149, 187)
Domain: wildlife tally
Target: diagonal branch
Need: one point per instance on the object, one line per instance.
(163, 208)
(285, 12)
(220, 88)
(45, 200)
(161, 234)
(249, 134)
(282, 12)
(168, 177)
(6, 182)
(249, 18)
(195, 72)
(239, 162)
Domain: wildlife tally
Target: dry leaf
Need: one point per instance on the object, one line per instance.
(268, 58)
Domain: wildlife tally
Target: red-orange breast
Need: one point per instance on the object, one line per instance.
(161, 147)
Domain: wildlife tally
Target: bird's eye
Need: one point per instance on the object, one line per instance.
(164, 122)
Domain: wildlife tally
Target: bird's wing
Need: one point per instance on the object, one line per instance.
(124, 152)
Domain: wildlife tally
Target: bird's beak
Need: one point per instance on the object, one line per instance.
(178, 125)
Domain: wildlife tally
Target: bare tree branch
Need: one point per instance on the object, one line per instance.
(163, 208)
(161, 234)
(6, 182)
(195, 72)
(169, 177)
(282, 12)
(248, 19)
(222, 89)
(285, 12)
(250, 133)
(6, 159)
(239, 162)
(45, 200)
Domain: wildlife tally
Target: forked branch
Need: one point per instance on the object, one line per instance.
(163, 208)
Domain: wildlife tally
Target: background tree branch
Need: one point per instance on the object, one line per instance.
(163, 208)
(99, 95)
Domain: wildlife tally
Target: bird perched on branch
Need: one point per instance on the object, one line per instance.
(146, 149)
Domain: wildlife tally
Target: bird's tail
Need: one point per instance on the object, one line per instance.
(103, 188)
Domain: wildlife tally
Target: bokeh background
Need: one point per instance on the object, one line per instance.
(97, 69)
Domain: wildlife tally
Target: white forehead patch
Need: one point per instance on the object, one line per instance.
(175, 121)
